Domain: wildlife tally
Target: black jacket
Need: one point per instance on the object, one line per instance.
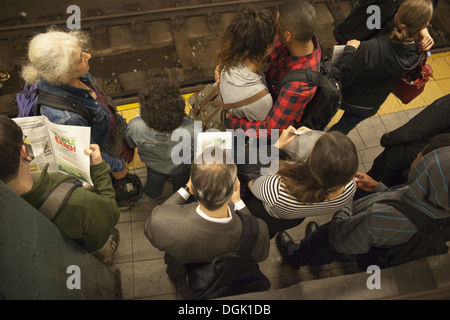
(351, 27)
(369, 74)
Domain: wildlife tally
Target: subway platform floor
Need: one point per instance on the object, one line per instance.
(142, 266)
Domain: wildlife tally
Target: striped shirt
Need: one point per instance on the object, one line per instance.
(280, 204)
(373, 224)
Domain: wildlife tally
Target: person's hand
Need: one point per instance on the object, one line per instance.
(304, 129)
(217, 75)
(286, 137)
(236, 197)
(426, 41)
(354, 43)
(120, 174)
(94, 153)
(365, 182)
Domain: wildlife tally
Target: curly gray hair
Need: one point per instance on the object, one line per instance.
(51, 55)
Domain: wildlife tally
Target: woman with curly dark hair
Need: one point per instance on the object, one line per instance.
(161, 112)
(245, 45)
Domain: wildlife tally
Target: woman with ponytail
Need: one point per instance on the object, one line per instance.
(319, 185)
(370, 69)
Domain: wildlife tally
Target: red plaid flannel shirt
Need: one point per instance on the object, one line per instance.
(294, 96)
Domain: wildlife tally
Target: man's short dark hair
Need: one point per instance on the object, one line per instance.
(213, 183)
(440, 141)
(11, 141)
(299, 18)
(161, 105)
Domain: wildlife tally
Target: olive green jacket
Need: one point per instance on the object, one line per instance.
(87, 216)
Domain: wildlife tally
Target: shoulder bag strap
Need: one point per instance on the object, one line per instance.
(249, 100)
(51, 206)
(228, 106)
(249, 235)
(418, 218)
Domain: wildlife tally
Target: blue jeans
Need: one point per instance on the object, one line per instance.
(352, 116)
(155, 182)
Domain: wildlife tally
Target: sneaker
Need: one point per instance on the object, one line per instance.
(114, 239)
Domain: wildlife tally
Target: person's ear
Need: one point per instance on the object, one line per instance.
(287, 36)
(24, 154)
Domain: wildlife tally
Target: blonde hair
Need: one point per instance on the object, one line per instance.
(51, 55)
(411, 18)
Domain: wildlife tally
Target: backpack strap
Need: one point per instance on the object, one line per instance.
(28, 92)
(249, 235)
(312, 77)
(56, 199)
(57, 102)
(418, 218)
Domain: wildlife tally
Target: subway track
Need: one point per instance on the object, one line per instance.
(132, 42)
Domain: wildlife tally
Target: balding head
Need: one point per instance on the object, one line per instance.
(213, 182)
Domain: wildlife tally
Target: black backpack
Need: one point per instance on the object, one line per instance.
(429, 240)
(231, 273)
(327, 99)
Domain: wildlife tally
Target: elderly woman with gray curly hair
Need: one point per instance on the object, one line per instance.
(59, 64)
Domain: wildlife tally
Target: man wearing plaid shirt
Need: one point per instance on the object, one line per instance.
(295, 48)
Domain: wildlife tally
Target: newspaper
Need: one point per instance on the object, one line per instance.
(223, 140)
(61, 146)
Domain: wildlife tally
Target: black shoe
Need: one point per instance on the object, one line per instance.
(312, 226)
(284, 240)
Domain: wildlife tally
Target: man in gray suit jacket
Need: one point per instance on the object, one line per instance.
(200, 231)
